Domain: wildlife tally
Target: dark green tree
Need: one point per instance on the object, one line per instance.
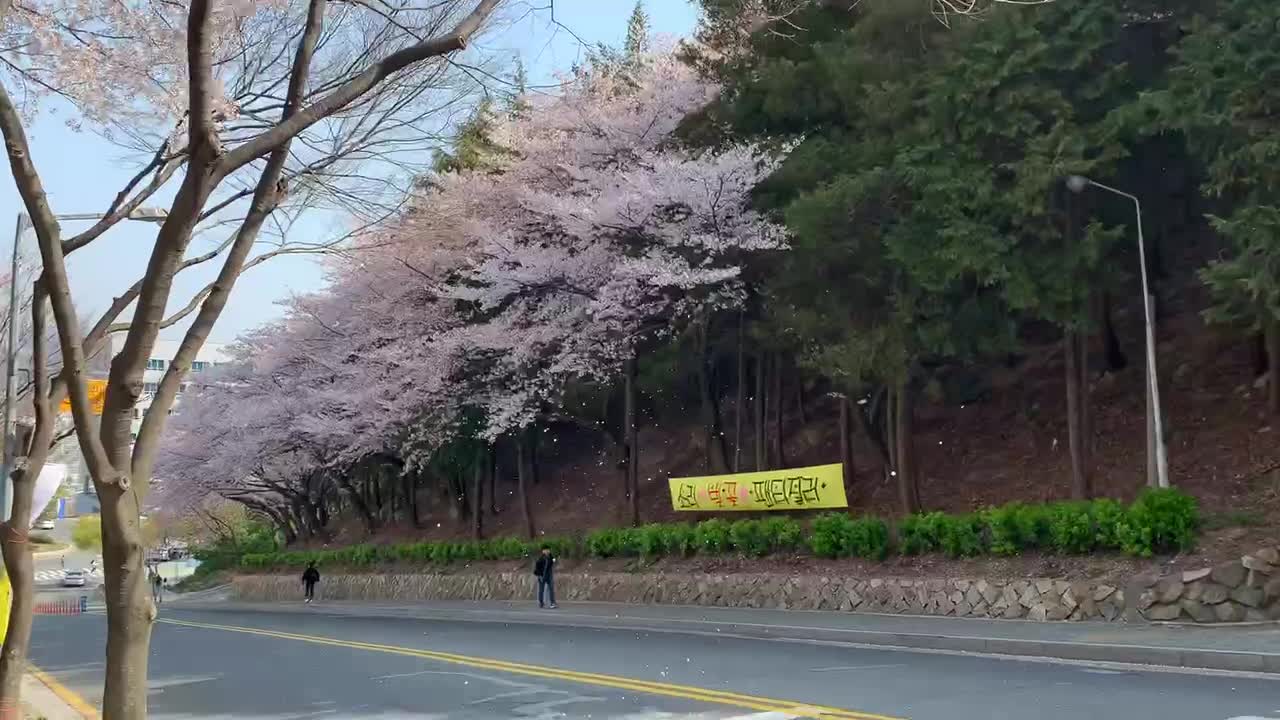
(1222, 94)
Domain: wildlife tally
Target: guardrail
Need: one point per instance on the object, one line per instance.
(68, 606)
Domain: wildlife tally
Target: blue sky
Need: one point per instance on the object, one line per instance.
(82, 172)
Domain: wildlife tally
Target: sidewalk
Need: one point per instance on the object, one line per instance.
(1240, 647)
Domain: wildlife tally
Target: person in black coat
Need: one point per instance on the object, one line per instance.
(545, 570)
(310, 577)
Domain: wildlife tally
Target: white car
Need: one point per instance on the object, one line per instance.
(73, 578)
(45, 525)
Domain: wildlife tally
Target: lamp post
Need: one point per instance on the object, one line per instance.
(1157, 456)
(154, 215)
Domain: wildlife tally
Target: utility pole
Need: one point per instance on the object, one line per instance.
(11, 355)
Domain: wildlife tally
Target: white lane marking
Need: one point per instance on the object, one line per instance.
(545, 709)
(837, 668)
(155, 687)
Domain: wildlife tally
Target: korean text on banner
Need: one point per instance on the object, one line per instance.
(97, 397)
(808, 488)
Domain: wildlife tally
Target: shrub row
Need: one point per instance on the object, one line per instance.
(1158, 521)
(421, 552)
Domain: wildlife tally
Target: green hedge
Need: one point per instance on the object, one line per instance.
(1158, 521)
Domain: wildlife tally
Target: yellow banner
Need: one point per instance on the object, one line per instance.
(6, 597)
(97, 395)
(806, 488)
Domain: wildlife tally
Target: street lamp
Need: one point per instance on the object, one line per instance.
(1155, 431)
(143, 214)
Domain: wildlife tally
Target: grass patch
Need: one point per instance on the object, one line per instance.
(1234, 519)
(202, 581)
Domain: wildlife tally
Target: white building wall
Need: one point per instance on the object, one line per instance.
(68, 452)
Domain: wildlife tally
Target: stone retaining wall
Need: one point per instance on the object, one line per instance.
(1248, 589)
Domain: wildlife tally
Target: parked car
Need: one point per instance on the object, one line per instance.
(45, 525)
(73, 578)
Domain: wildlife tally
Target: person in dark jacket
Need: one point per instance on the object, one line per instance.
(310, 577)
(545, 570)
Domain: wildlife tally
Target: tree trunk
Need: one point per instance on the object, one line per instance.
(876, 430)
(1116, 359)
(375, 491)
(1273, 366)
(716, 452)
(535, 439)
(491, 467)
(357, 502)
(130, 610)
(759, 444)
(804, 415)
(1258, 348)
(904, 435)
(411, 497)
(522, 479)
(630, 431)
(846, 445)
(740, 403)
(15, 532)
(21, 570)
(1077, 388)
(779, 453)
(477, 492)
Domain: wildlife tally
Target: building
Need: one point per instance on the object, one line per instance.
(68, 451)
(162, 354)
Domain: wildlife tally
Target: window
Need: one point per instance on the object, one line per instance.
(150, 388)
(155, 364)
(199, 366)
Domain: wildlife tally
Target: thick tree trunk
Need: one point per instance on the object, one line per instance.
(904, 435)
(15, 532)
(21, 569)
(1076, 366)
(1273, 367)
(130, 611)
(740, 403)
(477, 492)
(779, 453)
(759, 446)
(522, 480)
(630, 447)
(846, 443)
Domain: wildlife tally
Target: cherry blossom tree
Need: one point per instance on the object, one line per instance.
(497, 288)
(234, 102)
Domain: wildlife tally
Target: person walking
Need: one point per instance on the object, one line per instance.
(157, 586)
(310, 577)
(545, 570)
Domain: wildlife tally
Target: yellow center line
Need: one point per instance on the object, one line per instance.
(644, 686)
(64, 693)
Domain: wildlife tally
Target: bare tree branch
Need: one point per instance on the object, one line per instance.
(353, 89)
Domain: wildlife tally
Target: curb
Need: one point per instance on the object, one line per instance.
(53, 700)
(1182, 658)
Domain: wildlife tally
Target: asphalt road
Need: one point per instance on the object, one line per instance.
(250, 664)
(49, 566)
